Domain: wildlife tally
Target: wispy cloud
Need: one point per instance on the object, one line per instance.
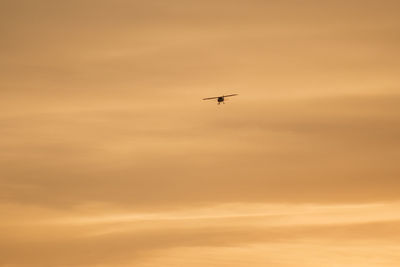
(109, 157)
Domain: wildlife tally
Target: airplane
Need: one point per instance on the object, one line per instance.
(220, 99)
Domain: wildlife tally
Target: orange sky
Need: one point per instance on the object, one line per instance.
(109, 157)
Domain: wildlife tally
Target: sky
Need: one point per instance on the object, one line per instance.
(109, 157)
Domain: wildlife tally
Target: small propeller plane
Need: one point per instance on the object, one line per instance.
(220, 99)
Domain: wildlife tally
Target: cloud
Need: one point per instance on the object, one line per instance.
(105, 137)
(303, 150)
(139, 238)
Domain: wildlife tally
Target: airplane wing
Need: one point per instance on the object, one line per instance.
(208, 98)
(230, 95)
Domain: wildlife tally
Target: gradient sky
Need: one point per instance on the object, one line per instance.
(110, 158)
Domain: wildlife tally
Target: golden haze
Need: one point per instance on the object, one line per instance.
(110, 158)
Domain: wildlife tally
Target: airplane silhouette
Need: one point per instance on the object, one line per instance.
(220, 99)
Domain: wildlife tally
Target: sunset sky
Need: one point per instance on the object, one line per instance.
(109, 157)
